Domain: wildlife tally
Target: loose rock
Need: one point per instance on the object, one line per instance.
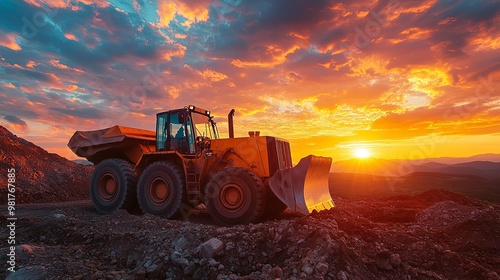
(210, 248)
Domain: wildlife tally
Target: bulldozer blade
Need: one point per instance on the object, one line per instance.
(304, 188)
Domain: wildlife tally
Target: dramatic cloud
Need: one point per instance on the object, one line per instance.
(9, 41)
(325, 74)
(16, 122)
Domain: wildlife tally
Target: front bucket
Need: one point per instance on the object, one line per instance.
(304, 188)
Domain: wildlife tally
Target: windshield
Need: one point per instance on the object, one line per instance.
(203, 126)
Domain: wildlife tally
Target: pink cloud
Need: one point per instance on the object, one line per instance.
(9, 41)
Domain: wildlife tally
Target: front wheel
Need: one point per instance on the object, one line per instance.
(235, 196)
(112, 186)
(160, 189)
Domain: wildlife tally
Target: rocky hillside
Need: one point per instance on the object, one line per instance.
(40, 176)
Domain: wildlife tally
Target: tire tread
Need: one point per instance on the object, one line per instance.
(127, 172)
(256, 215)
(178, 173)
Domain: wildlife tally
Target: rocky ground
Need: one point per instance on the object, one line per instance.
(434, 235)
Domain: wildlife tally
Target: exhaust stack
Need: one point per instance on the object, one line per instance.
(230, 123)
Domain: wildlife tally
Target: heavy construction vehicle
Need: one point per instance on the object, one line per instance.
(240, 180)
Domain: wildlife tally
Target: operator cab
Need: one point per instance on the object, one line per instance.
(186, 130)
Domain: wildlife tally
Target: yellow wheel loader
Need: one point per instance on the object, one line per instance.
(185, 162)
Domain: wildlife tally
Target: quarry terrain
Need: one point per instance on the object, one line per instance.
(434, 235)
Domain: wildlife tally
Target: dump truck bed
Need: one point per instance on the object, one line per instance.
(97, 145)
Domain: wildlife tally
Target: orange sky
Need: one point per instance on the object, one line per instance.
(404, 79)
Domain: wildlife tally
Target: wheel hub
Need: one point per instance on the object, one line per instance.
(108, 186)
(159, 190)
(232, 196)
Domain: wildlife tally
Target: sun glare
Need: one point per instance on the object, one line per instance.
(361, 153)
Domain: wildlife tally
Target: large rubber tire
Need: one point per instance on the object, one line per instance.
(160, 189)
(274, 206)
(112, 186)
(235, 195)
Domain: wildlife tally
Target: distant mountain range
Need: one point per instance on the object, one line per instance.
(400, 168)
(354, 186)
(454, 160)
(362, 178)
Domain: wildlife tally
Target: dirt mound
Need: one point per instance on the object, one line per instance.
(40, 176)
(446, 214)
(433, 196)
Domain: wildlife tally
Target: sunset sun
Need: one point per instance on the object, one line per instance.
(362, 153)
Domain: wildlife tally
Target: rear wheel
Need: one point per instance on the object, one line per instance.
(112, 186)
(235, 196)
(160, 189)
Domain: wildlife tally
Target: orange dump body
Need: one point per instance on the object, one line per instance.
(97, 145)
